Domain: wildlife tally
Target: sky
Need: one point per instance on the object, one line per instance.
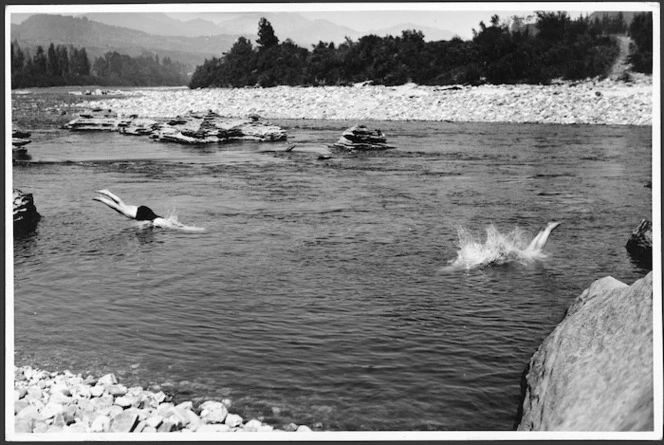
(459, 18)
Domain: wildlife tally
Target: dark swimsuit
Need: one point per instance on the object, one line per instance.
(145, 214)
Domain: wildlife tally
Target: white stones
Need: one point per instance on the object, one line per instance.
(96, 391)
(303, 429)
(100, 424)
(74, 406)
(213, 412)
(252, 425)
(107, 380)
(51, 409)
(233, 420)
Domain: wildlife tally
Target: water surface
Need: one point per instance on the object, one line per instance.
(316, 294)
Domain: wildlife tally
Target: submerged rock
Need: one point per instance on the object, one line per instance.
(639, 244)
(360, 137)
(25, 213)
(594, 372)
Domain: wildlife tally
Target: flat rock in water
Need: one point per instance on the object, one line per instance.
(360, 137)
(197, 128)
(594, 372)
(96, 119)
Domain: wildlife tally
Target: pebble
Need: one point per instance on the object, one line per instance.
(77, 405)
(618, 103)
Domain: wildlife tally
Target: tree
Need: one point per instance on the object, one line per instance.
(641, 31)
(266, 37)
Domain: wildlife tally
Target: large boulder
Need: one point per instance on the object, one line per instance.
(639, 244)
(359, 137)
(594, 372)
(25, 213)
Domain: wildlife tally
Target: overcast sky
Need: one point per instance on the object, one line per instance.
(459, 18)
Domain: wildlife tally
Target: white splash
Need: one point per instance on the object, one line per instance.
(498, 248)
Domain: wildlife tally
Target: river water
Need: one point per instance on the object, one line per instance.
(318, 293)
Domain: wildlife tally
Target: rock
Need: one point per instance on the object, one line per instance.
(639, 244)
(20, 405)
(138, 127)
(264, 429)
(23, 424)
(252, 425)
(185, 405)
(123, 422)
(117, 390)
(213, 428)
(25, 213)
(51, 409)
(361, 138)
(233, 420)
(30, 412)
(97, 391)
(290, 427)
(154, 421)
(107, 380)
(94, 120)
(100, 424)
(124, 401)
(165, 427)
(594, 372)
(303, 429)
(213, 412)
(149, 429)
(197, 128)
(76, 428)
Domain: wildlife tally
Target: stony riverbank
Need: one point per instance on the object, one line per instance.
(608, 102)
(62, 402)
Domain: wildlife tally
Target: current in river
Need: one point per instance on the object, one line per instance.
(319, 292)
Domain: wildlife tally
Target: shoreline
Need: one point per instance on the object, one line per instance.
(63, 402)
(595, 102)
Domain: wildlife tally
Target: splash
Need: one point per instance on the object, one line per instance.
(498, 249)
(171, 222)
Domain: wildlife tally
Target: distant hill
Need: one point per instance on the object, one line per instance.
(430, 34)
(156, 23)
(287, 25)
(98, 38)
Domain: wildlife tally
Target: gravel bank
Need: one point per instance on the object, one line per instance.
(607, 102)
(61, 402)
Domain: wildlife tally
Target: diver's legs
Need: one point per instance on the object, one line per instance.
(120, 207)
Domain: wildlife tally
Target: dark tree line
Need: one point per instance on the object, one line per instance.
(146, 70)
(641, 32)
(58, 65)
(558, 47)
(63, 65)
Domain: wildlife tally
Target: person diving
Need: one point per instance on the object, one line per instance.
(140, 213)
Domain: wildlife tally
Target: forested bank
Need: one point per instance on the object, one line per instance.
(555, 46)
(67, 65)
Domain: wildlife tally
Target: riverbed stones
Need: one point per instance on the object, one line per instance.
(42, 405)
(639, 244)
(620, 103)
(26, 218)
(359, 137)
(594, 372)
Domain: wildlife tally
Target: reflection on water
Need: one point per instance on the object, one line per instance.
(316, 294)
